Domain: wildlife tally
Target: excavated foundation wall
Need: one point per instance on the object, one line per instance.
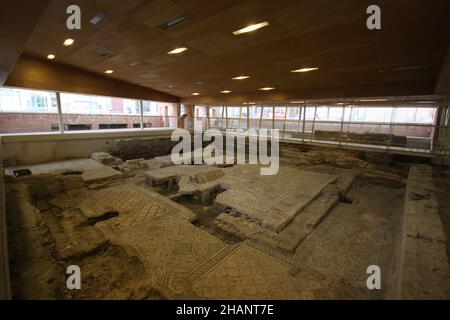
(30, 149)
(4, 268)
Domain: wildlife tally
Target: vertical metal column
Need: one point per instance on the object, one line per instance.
(284, 123)
(314, 123)
(342, 125)
(299, 118)
(273, 118)
(208, 117)
(141, 109)
(226, 115)
(248, 117)
(394, 115)
(240, 116)
(304, 122)
(223, 113)
(260, 117)
(60, 115)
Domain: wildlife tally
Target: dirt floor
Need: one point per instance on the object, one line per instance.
(109, 272)
(442, 183)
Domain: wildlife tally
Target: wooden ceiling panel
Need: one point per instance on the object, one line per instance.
(235, 16)
(328, 34)
(16, 25)
(120, 6)
(320, 14)
(158, 12)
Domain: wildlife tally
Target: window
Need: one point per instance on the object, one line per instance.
(99, 113)
(27, 111)
(23, 111)
(217, 117)
(159, 114)
(113, 126)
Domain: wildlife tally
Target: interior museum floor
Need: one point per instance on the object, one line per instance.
(146, 229)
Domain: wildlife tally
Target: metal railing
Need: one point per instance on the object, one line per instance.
(412, 137)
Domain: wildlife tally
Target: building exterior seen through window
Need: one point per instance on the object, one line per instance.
(410, 125)
(26, 111)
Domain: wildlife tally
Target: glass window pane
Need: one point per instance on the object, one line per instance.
(159, 114)
(293, 113)
(234, 112)
(255, 112)
(267, 112)
(24, 111)
(87, 112)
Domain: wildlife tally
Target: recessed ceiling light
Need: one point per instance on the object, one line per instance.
(109, 71)
(195, 94)
(297, 102)
(373, 100)
(177, 50)
(68, 42)
(266, 89)
(51, 56)
(305, 70)
(241, 77)
(251, 28)
(225, 91)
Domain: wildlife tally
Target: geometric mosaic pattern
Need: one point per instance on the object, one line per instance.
(157, 229)
(170, 246)
(135, 205)
(246, 272)
(273, 201)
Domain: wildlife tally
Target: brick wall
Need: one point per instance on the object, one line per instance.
(43, 122)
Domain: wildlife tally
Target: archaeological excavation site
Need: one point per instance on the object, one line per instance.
(235, 150)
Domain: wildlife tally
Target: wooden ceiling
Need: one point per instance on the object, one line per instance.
(16, 24)
(328, 34)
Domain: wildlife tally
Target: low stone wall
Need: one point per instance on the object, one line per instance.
(34, 149)
(5, 291)
(424, 271)
(146, 148)
(371, 138)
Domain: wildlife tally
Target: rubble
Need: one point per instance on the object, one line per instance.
(106, 159)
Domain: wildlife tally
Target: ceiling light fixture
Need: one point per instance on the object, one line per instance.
(241, 77)
(195, 94)
(109, 71)
(373, 100)
(225, 91)
(51, 56)
(174, 22)
(266, 89)
(177, 50)
(98, 18)
(305, 70)
(251, 28)
(297, 102)
(68, 42)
